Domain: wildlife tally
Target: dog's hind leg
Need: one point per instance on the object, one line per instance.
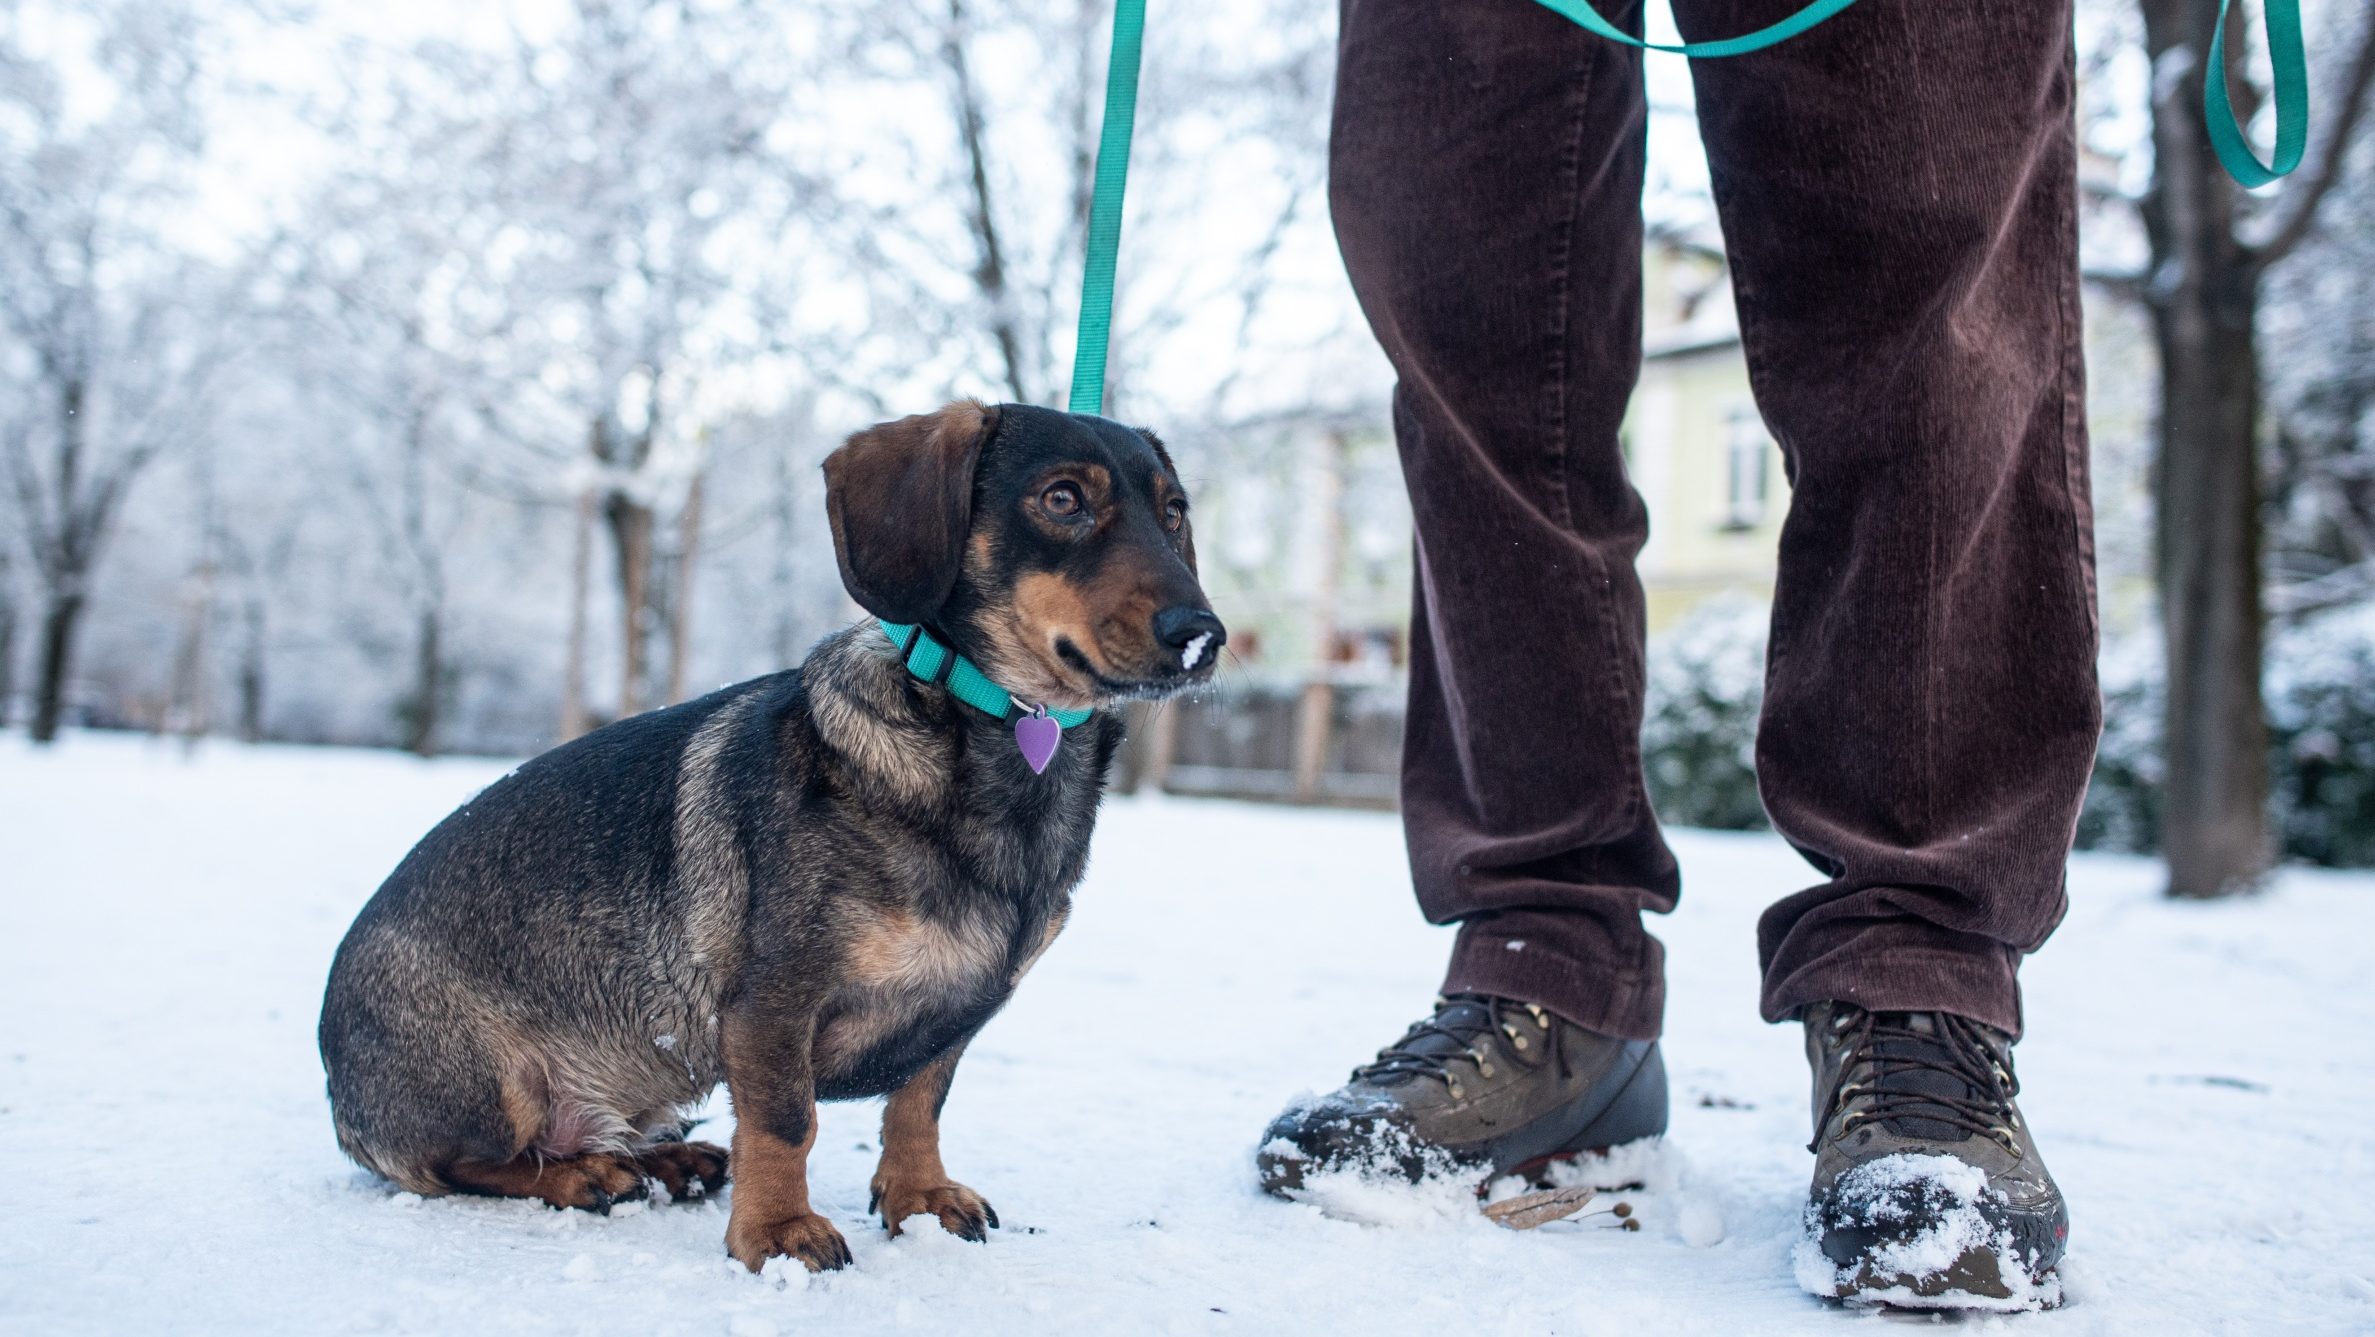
(592, 1181)
(688, 1170)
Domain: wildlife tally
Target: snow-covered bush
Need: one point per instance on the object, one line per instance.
(2321, 716)
(2123, 801)
(1706, 683)
(1698, 734)
(2320, 690)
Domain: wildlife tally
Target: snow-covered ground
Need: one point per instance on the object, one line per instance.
(2200, 1078)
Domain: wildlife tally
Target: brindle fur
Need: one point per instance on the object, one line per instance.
(816, 885)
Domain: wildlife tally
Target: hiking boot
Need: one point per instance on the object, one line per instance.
(1485, 1084)
(1927, 1191)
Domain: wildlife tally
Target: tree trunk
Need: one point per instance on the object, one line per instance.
(2215, 793)
(787, 529)
(428, 691)
(60, 619)
(190, 714)
(8, 614)
(631, 539)
(989, 269)
(2205, 296)
(1162, 746)
(680, 591)
(574, 716)
(251, 671)
(1315, 714)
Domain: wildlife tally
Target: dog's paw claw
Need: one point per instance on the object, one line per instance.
(590, 1184)
(808, 1237)
(688, 1170)
(960, 1211)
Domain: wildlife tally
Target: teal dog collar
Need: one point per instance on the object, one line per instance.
(936, 663)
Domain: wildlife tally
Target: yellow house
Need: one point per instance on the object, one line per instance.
(1698, 453)
(1712, 479)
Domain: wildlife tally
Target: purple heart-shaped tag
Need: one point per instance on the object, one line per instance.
(1037, 736)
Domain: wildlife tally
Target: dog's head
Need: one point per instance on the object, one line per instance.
(1053, 549)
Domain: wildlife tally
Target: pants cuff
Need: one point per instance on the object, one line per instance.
(1627, 1002)
(1878, 975)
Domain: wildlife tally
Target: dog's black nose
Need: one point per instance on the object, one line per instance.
(1191, 633)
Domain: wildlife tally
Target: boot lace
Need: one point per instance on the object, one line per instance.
(1459, 1033)
(1885, 1050)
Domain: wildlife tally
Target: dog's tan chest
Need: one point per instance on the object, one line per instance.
(903, 952)
(906, 972)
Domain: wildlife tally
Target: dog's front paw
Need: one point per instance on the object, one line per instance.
(807, 1237)
(962, 1212)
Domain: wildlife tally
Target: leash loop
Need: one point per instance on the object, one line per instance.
(2289, 71)
(1581, 12)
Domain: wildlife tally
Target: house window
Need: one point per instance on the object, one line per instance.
(1745, 463)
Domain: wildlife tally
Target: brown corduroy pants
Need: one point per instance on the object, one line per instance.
(1896, 192)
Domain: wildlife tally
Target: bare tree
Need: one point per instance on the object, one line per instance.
(2212, 246)
(625, 265)
(122, 330)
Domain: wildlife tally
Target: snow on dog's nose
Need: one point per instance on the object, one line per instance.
(1193, 635)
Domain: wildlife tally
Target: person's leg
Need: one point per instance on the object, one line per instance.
(1486, 179)
(1897, 192)
(1486, 174)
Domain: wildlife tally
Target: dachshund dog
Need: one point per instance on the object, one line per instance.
(816, 885)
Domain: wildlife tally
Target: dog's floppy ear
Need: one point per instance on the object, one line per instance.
(900, 498)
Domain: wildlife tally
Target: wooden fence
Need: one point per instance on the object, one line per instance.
(1325, 742)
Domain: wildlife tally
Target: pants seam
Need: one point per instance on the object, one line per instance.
(1562, 277)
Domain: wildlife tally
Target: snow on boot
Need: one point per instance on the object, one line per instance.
(1927, 1191)
(1484, 1084)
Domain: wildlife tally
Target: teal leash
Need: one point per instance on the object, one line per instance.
(1102, 246)
(2289, 71)
(1581, 12)
(1105, 208)
(2287, 61)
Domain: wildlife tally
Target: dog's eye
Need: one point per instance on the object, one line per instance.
(1060, 499)
(1174, 515)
